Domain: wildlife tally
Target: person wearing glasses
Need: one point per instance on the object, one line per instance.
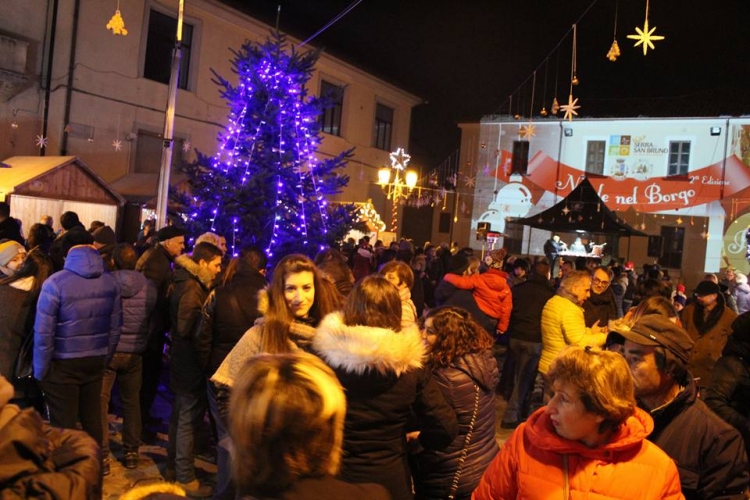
(601, 306)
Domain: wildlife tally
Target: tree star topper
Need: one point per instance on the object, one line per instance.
(645, 37)
(570, 108)
(399, 159)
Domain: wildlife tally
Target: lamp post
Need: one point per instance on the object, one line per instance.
(162, 196)
(402, 184)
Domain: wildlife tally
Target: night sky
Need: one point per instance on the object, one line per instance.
(465, 57)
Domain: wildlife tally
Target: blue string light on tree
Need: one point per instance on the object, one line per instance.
(265, 185)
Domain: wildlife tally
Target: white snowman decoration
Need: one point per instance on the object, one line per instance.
(513, 200)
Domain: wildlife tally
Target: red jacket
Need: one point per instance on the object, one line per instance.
(491, 291)
(530, 465)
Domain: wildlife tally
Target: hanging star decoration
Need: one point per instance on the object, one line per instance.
(399, 159)
(469, 181)
(570, 108)
(645, 37)
(186, 146)
(643, 226)
(117, 24)
(527, 131)
(41, 141)
(566, 210)
(117, 144)
(486, 170)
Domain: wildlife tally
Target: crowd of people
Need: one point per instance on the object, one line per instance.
(369, 371)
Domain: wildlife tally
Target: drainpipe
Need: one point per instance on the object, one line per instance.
(71, 67)
(48, 78)
(724, 160)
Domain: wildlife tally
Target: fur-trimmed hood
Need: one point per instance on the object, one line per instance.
(359, 348)
(202, 274)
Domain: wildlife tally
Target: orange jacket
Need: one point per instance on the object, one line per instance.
(530, 465)
(491, 291)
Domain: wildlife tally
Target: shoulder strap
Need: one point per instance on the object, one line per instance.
(467, 442)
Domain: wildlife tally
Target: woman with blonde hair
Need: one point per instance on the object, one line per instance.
(380, 364)
(589, 441)
(287, 428)
(464, 367)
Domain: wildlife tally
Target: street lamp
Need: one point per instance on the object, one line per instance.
(402, 184)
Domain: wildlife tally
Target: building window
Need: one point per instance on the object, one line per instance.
(148, 153)
(679, 157)
(162, 30)
(673, 239)
(520, 157)
(383, 127)
(331, 119)
(595, 157)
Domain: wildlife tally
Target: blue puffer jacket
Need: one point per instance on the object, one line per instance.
(138, 302)
(79, 313)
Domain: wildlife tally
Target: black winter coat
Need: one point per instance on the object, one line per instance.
(156, 265)
(384, 381)
(447, 294)
(229, 312)
(191, 287)
(709, 453)
(600, 307)
(728, 394)
(529, 299)
(434, 470)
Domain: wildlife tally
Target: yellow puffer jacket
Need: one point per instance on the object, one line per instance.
(563, 325)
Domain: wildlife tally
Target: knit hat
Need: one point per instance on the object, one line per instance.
(680, 299)
(707, 288)
(169, 232)
(457, 264)
(8, 250)
(681, 288)
(105, 236)
(740, 278)
(658, 330)
(629, 266)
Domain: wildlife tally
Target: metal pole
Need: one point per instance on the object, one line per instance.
(162, 196)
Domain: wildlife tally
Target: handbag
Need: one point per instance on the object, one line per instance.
(24, 368)
(465, 451)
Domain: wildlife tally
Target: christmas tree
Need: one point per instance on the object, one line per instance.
(265, 185)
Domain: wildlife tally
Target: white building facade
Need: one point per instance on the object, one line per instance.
(104, 95)
(682, 181)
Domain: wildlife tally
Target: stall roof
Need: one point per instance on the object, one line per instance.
(581, 210)
(19, 173)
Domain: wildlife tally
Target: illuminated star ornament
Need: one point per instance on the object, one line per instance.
(41, 141)
(645, 37)
(527, 131)
(570, 108)
(186, 146)
(469, 181)
(117, 144)
(399, 159)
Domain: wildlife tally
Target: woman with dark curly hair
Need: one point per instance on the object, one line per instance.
(465, 369)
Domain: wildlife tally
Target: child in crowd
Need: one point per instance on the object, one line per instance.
(490, 289)
(401, 276)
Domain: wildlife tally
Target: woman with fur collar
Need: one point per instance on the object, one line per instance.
(380, 366)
